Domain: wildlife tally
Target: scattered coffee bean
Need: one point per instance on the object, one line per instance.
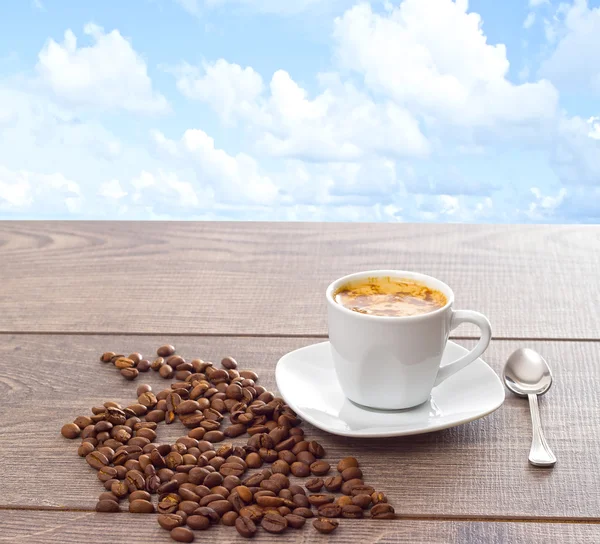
(347, 463)
(325, 525)
(274, 523)
(141, 506)
(330, 510)
(229, 363)
(319, 499)
(143, 365)
(229, 518)
(320, 468)
(70, 430)
(85, 449)
(378, 498)
(166, 372)
(157, 363)
(182, 534)
(314, 484)
(107, 506)
(333, 483)
(352, 511)
(364, 500)
(96, 460)
(130, 373)
(301, 470)
(295, 521)
(344, 500)
(245, 526)
(303, 511)
(352, 473)
(383, 510)
(165, 351)
(170, 521)
(107, 356)
(198, 523)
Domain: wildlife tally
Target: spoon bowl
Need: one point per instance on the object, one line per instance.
(527, 373)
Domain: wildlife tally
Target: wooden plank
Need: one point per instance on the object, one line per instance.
(48, 527)
(269, 278)
(476, 470)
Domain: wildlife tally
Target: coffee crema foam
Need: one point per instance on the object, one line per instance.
(391, 297)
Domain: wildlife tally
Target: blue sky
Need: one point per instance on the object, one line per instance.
(329, 110)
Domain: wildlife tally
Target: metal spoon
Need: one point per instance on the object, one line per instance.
(527, 374)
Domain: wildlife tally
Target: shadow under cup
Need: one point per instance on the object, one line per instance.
(384, 362)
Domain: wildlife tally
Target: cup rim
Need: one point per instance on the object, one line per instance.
(400, 274)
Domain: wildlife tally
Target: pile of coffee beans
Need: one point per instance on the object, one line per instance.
(200, 480)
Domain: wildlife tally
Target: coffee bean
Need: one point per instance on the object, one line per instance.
(301, 501)
(229, 518)
(167, 507)
(107, 356)
(70, 430)
(214, 436)
(187, 407)
(316, 449)
(330, 510)
(135, 357)
(229, 363)
(325, 525)
(221, 506)
(85, 449)
(361, 490)
(213, 479)
(107, 506)
(333, 483)
(165, 351)
(245, 526)
(352, 511)
(383, 510)
(249, 375)
(344, 500)
(320, 498)
(140, 495)
(301, 470)
(207, 499)
(143, 365)
(130, 373)
(108, 496)
(234, 430)
(166, 372)
(319, 468)
(169, 521)
(175, 360)
(268, 502)
(305, 457)
(141, 506)
(119, 489)
(124, 362)
(295, 521)
(143, 388)
(314, 484)
(303, 511)
(281, 467)
(352, 473)
(155, 416)
(378, 498)
(274, 523)
(364, 501)
(347, 486)
(108, 483)
(83, 421)
(182, 534)
(347, 463)
(157, 363)
(207, 512)
(107, 473)
(198, 523)
(147, 399)
(96, 460)
(287, 456)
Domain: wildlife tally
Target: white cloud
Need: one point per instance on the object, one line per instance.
(112, 190)
(191, 6)
(108, 74)
(545, 206)
(233, 178)
(574, 62)
(432, 57)
(535, 3)
(529, 20)
(231, 90)
(594, 123)
(45, 194)
(341, 123)
(276, 6)
(37, 4)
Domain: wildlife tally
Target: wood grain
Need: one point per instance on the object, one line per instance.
(478, 470)
(269, 278)
(46, 527)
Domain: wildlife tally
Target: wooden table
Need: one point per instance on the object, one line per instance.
(71, 290)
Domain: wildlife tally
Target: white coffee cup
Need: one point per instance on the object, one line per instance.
(392, 363)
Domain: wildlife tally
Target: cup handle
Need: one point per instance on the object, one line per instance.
(466, 316)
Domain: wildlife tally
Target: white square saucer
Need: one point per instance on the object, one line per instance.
(307, 381)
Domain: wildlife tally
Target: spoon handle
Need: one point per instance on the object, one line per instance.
(540, 453)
